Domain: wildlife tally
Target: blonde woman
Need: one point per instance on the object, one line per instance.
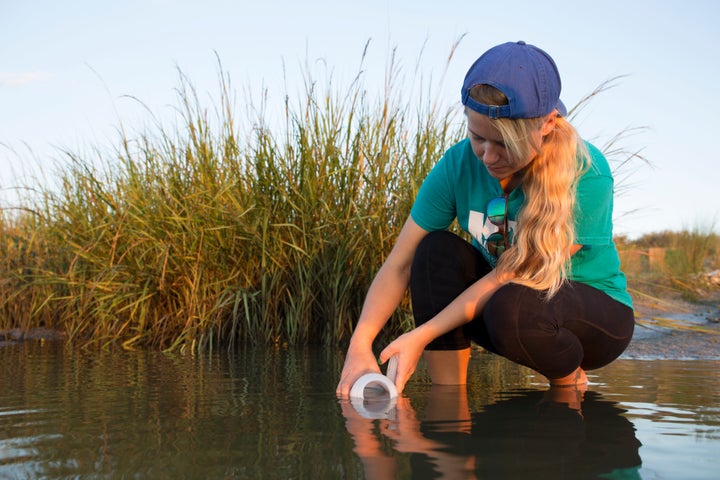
(540, 283)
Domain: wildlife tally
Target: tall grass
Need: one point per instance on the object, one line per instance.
(205, 234)
(208, 234)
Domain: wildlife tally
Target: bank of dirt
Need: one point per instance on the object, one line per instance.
(675, 329)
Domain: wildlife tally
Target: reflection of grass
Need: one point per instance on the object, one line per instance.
(210, 233)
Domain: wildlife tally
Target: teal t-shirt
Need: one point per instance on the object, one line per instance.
(459, 186)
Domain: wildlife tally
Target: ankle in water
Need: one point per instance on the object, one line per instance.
(576, 378)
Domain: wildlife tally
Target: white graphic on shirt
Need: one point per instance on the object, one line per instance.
(477, 227)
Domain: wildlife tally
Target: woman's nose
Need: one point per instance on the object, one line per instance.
(491, 153)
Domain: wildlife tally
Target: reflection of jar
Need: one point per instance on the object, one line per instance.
(374, 395)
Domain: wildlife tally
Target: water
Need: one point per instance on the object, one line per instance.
(273, 414)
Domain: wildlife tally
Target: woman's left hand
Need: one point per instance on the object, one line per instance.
(407, 349)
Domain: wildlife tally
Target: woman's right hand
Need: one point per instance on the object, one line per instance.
(358, 361)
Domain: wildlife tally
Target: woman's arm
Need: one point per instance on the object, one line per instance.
(384, 296)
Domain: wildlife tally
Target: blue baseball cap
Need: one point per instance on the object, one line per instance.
(525, 74)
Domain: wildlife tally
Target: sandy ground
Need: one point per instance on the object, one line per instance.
(675, 330)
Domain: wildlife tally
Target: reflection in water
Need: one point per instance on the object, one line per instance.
(560, 433)
(252, 414)
(273, 413)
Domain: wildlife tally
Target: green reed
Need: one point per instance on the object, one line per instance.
(209, 234)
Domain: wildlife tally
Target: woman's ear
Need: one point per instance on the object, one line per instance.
(549, 124)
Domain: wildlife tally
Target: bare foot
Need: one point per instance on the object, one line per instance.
(575, 379)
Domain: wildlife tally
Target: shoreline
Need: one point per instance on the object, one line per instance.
(667, 330)
(675, 330)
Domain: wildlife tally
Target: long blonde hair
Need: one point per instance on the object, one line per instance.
(539, 257)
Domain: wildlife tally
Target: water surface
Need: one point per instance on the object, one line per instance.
(274, 414)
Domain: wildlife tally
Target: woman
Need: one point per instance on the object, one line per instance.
(541, 283)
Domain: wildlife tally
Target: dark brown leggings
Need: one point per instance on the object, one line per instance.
(579, 326)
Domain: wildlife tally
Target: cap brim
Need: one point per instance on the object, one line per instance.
(562, 110)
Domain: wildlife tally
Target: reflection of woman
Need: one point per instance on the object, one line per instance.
(527, 434)
(540, 284)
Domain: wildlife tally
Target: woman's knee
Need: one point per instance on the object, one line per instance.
(525, 327)
(442, 254)
(502, 308)
(519, 326)
(440, 273)
(436, 244)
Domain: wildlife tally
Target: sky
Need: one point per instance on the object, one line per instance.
(73, 72)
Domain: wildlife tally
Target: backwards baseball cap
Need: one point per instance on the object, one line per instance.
(525, 74)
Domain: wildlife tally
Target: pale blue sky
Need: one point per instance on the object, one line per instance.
(66, 67)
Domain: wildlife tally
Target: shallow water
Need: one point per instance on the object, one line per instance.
(274, 414)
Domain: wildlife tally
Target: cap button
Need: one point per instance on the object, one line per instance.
(521, 42)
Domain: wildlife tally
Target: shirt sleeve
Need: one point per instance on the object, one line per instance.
(435, 207)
